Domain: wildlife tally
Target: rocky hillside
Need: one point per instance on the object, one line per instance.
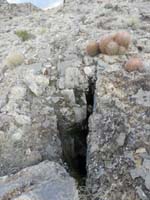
(64, 113)
(22, 9)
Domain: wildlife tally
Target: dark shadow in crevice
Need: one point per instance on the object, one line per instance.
(74, 141)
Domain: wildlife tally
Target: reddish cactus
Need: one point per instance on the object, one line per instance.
(92, 48)
(123, 39)
(134, 64)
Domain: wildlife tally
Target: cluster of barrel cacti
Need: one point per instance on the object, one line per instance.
(115, 44)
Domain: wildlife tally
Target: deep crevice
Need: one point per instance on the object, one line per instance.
(74, 141)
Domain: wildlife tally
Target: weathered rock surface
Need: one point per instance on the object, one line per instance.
(46, 93)
(12, 10)
(118, 142)
(28, 123)
(46, 98)
(119, 139)
(45, 181)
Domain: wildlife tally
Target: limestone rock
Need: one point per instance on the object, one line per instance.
(45, 102)
(119, 125)
(46, 181)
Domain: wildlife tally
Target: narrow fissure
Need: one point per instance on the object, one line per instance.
(74, 142)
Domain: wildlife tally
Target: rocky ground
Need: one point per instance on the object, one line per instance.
(50, 89)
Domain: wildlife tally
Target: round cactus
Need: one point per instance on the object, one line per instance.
(92, 48)
(134, 64)
(104, 43)
(122, 50)
(114, 44)
(112, 48)
(123, 39)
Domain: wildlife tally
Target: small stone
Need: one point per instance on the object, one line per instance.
(88, 71)
(140, 151)
(17, 135)
(72, 76)
(108, 6)
(141, 193)
(138, 172)
(147, 181)
(34, 157)
(69, 96)
(121, 139)
(146, 164)
(36, 83)
(17, 93)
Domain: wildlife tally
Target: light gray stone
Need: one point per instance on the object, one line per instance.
(72, 78)
(115, 128)
(46, 97)
(121, 139)
(147, 181)
(141, 194)
(46, 181)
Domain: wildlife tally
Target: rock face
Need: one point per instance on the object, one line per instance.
(13, 9)
(118, 142)
(44, 94)
(118, 152)
(47, 97)
(46, 181)
(3, 2)
(27, 137)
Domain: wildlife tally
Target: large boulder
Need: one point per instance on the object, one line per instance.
(45, 181)
(28, 123)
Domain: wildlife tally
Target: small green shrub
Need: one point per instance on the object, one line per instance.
(23, 35)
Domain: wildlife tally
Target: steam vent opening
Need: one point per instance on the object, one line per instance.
(74, 142)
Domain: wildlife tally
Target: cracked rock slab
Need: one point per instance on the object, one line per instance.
(118, 141)
(45, 181)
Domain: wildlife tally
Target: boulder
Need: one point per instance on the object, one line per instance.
(45, 181)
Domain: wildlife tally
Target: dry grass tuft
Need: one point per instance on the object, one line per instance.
(14, 59)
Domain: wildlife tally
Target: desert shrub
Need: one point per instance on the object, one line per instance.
(133, 22)
(14, 59)
(23, 35)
